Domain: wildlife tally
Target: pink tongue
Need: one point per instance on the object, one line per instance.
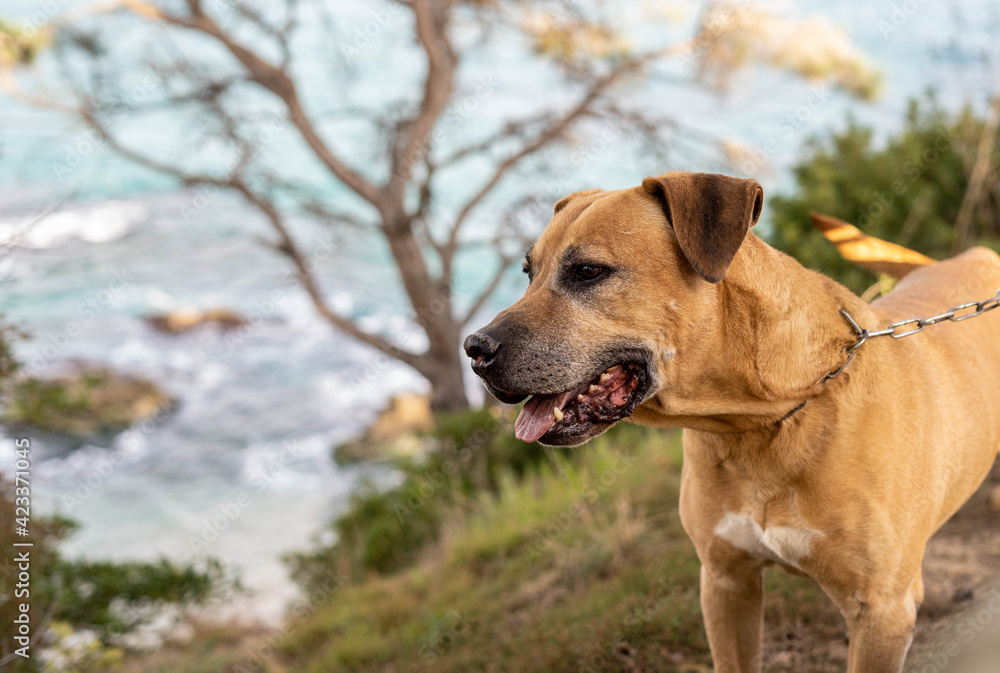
(536, 416)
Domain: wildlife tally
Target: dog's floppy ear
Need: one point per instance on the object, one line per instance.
(711, 215)
(561, 203)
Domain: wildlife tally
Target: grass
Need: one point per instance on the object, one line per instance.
(386, 530)
(582, 566)
(216, 648)
(572, 564)
(578, 564)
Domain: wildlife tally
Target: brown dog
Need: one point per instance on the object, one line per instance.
(655, 302)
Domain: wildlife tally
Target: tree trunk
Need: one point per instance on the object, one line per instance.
(447, 384)
(432, 306)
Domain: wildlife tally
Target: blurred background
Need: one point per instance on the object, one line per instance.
(240, 245)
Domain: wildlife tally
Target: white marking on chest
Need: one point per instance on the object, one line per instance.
(777, 543)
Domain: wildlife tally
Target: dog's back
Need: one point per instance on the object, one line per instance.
(950, 371)
(956, 365)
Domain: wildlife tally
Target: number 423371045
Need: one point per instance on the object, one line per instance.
(22, 486)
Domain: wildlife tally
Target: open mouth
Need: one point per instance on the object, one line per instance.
(579, 414)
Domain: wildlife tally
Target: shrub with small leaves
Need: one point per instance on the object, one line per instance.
(908, 191)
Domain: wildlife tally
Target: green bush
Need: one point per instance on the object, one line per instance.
(92, 404)
(907, 191)
(385, 530)
(9, 364)
(38, 403)
(481, 445)
(106, 597)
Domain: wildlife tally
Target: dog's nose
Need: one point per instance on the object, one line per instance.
(482, 348)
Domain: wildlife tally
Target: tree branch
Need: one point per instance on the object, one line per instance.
(488, 290)
(432, 306)
(412, 135)
(980, 170)
(287, 245)
(554, 131)
(308, 281)
(274, 79)
(512, 129)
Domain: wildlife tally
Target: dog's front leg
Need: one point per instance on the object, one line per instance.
(880, 637)
(732, 600)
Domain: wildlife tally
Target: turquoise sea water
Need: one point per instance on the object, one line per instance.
(127, 243)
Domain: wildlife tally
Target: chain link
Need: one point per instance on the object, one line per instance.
(958, 313)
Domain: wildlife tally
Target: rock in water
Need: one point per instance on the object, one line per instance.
(90, 404)
(178, 322)
(394, 434)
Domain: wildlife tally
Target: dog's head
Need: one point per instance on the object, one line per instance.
(613, 283)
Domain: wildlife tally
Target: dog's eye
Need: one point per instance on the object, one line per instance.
(589, 272)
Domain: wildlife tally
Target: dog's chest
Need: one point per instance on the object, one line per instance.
(781, 544)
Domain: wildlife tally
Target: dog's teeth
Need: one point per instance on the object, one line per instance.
(604, 377)
(614, 369)
(580, 398)
(592, 388)
(557, 412)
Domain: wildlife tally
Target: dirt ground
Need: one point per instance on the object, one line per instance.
(961, 576)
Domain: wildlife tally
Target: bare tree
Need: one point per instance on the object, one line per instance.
(225, 62)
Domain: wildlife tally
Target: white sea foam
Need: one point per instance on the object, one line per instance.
(91, 223)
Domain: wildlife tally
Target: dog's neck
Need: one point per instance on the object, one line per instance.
(775, 332)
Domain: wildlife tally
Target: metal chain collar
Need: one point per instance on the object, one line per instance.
(954, 314)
